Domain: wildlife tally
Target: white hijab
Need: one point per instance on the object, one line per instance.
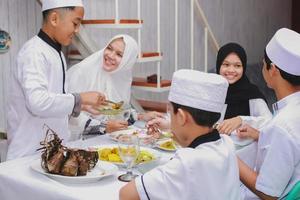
(89, 75)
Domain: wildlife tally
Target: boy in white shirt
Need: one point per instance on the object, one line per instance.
(277, 167)
(38, 92)
(206, 167)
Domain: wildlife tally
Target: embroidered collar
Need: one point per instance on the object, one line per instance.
(49, 41)
(285, 101)
(209, 137)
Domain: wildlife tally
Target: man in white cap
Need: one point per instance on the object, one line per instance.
(38, 94)
(277, 167)
(206, 167)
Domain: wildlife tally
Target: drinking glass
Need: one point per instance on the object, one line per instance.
(129, 150)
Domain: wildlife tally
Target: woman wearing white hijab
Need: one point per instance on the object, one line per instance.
(109, 71)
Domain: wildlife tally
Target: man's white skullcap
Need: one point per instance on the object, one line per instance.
(284, 51)
(205, 91)
(51, 4)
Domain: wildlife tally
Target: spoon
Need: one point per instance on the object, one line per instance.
(115, 105)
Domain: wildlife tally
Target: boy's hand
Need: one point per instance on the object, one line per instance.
(155, 126)
(90, 109)
(150, 115)
(159, 122)
(247, 131)
(92, 98)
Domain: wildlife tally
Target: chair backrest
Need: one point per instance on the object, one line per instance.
(294, 194)
(3, 149)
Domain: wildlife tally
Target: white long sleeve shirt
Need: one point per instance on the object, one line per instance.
(36, 97)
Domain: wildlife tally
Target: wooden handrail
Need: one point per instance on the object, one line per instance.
(211, 34)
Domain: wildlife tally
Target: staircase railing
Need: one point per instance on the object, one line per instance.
(207, 34)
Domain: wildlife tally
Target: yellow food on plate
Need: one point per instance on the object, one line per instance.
(112, 155)
(168, 145)
(114, 158)
(145, 156)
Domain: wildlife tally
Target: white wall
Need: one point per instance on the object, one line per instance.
(251, 23)
(22, 19)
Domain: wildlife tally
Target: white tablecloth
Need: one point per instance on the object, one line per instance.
(19, 181)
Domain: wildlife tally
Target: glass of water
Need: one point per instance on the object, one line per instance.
(129, 149)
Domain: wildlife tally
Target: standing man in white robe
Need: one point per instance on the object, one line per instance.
(38, 93)
(277, 167)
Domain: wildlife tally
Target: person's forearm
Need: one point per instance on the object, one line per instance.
(248, 178)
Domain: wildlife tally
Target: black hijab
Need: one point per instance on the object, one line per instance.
(240, 92)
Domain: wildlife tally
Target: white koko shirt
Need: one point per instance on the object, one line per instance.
(278, 156)
(209, 171)
(36, 97)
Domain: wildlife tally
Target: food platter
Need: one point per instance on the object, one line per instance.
(101, 170)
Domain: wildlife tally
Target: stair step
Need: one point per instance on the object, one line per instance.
(113, 23)
(75, 55)
(150, 54)
(153, 105)
(137, 81)
(149, 57)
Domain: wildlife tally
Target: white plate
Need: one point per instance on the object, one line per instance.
(159, 142)
(152, 151)
(101, 170)
(145, 140)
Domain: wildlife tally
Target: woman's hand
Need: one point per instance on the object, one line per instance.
(150, 115)
(229, 125)
(116, 125)
(247, 131)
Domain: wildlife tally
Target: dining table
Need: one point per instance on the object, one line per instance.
(18, 180)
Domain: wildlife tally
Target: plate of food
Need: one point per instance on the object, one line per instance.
(110, 153)
(167, 145)
(112, 108)
(145, 139)
(101, 170)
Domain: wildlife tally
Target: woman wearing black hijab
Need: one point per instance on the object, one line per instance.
(245, 103)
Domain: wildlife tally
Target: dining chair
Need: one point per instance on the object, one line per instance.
(3, 147)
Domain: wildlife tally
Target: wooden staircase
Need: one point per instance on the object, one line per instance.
(86, 47)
